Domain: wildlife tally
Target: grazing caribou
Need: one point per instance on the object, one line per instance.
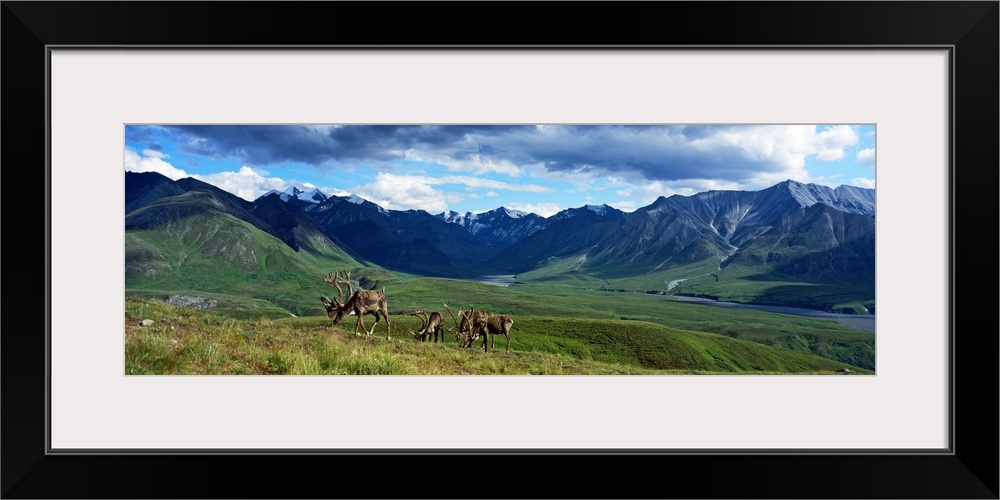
(359, 303)
(490, 326)
(465, 334)
(433, 325)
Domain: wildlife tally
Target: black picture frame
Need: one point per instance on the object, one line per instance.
(969, 471)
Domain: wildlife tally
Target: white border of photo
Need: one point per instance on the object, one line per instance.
(905, 93)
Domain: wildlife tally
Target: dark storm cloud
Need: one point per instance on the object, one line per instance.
(636, 151)
(698, 131)
(271, 144)
(632, 151)
(141, 134)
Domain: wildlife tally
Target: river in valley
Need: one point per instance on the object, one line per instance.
(864, 323)
(503, 280)
(861, 322)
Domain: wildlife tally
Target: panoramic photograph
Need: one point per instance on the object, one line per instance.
(536, 249)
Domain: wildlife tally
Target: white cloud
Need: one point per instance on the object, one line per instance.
(137, 163)
(866, 156)
(786, 146)
(475, 163)
(152, 153)
(776, 152)
(648, 192)
(543, 209)
(830, 143)
(624, 206)
(478, 182)
(404, 192)
(762, 180)
(470, 182)
(334, 192)
(248, 183)
(863, 182)
(491, 193)
(827, 180)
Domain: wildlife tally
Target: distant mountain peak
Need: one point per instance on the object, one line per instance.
(848, 198)
(294, 193)
(510, 212)
(604, 211)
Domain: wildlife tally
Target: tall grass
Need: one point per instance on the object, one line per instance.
(187, 341)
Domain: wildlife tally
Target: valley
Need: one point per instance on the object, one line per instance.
(587, 284)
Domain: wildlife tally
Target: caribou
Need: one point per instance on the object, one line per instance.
(432, 325)
(464, 333)
(360, 302)
(490, 326)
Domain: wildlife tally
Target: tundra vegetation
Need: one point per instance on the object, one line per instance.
(557, 329)
(181, 340)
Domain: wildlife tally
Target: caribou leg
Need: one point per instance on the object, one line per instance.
(388, 330)
(360, 324)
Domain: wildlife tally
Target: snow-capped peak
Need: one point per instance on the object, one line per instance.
(598, 209)
(312, 196)
(269, 193)
(357, 200)
(459, 218)
(514, 214)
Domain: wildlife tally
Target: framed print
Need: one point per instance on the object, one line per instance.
(896, 102)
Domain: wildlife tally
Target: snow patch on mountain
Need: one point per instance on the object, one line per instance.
(514, 214)
(598, 209)
(293, 193)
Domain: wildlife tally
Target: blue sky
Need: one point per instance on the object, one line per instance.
(534, 168)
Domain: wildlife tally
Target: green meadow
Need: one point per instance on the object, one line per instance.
(558, 329)
(179, 340)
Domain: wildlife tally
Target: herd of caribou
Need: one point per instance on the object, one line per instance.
(474, 323)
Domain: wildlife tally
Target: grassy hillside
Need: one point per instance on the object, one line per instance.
(822, 337)
(190, 341)
(217, 253)
(746, 284)
(818, 336)
(756, 284)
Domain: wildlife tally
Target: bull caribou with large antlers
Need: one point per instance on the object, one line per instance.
(465, 333)
(359, 303)
(432, 325)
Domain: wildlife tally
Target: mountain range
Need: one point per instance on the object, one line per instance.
(789, 234)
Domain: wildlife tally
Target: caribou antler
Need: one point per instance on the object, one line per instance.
(420, 314)
(336, 280)
(446, 304)
(357, 303)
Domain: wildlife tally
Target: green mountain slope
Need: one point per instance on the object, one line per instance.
(188, 242)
